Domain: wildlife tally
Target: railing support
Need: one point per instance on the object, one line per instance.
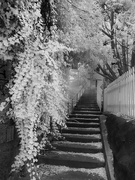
(75, 99)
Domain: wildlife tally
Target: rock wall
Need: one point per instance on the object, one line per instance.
(121, 136)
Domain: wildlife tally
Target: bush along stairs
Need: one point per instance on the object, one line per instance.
(80, 156)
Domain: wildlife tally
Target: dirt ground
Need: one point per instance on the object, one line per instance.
(121, 136)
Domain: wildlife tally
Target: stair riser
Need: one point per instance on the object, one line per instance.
(73, 164)
(87, 103)
(87, 107)
(82, 140)
(83, 125)
(88, 113)
(79, 150)
(85, 121)
(83, 116)
(80, 132)
(94, 110)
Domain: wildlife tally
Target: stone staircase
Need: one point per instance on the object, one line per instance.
(80, 156)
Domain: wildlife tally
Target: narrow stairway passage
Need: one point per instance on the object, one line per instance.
(80, 156)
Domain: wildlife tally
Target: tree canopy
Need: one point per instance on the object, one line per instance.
(104, 27)
(118, 30)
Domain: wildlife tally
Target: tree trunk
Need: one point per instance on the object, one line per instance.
(133, 55)
(125, 65)
(112, 33)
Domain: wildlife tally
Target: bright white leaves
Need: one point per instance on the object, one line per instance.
(14, 11)
(32, 94)
(3, 105)
(5, 43)
(34, 90)
(81, 21)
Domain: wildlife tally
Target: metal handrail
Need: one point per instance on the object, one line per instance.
(75, 99)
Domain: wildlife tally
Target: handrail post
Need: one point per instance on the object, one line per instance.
(75, 99)
(51, 124)
(68, 108)
(72, 105)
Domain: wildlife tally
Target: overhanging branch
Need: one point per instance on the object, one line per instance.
(78, 7)
(109, 35)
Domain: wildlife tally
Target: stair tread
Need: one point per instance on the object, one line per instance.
(81, 130)
(92, 145)
(87, 108)
(79, 124)
(83, 118)
(84, 115)
(51, 172)
(87, 112)
(73, 156)
(84, 136)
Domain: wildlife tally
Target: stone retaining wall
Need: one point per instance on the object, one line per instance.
(121, 135)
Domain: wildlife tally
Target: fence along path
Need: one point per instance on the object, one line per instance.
(119, 96)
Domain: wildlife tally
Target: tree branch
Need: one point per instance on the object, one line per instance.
(109, 35)
(78, 7)
(106, 28)
(111, 71)
(104, 75)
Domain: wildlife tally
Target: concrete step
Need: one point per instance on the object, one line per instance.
(87, 109)
(85, 106)
(81, 103)
(78, 147)
(83, 120)
(76, 130)
(82, 125)
(87, 103)
(82, 138)
(86, 112)
(71, 159)
(52, 172)
(84, 115)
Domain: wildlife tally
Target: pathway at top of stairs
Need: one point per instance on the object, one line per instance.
(80, 156)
